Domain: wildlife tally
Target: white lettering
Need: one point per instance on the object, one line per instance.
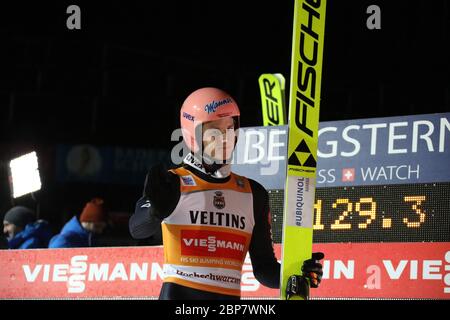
(368, 173)
(381, 172)
(249, 282)
(138, 270)
(46, 276)
(333, 144)
(98, 272)
(346, 270)
(326, 176)
(447, 276)
(351, 140)
(60, 272)
(259, 149)
(395, 274)
(118, 272)
(413, 171)
(413, 269)
(76, 283)
(425, 136)
(430, 266)
(31, 275)
(373, 138)
(156, 270)
(221, 243)
(326, 269)
(78, 264)
(390, 173)
(398, 175)
(444, 125)
(393, 137)
(273, 145)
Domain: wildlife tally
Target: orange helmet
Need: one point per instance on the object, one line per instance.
(204, 105)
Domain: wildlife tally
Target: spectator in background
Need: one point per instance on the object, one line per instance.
(23, 231)
(81, 232)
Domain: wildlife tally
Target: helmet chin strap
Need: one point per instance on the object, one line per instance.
(216, 170)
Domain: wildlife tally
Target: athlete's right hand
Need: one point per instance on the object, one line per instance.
(162, 188)
(312, 269)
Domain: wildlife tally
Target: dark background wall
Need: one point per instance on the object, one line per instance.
(121, 79)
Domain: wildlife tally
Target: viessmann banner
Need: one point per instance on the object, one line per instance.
(394, 270)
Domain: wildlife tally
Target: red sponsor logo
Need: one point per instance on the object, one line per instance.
(385, 270)
(348, 174)
(81, 273)
(210, 243)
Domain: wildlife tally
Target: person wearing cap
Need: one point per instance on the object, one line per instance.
(81, 232)
(23, 231)
(211, 217)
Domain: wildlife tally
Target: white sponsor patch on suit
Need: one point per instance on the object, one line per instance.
(146, 204)
(300, 201)
(188, 180)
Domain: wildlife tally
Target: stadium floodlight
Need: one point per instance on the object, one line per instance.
(25, 176)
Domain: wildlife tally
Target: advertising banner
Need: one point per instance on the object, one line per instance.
(112, 165)
(377, 151)
(363, 270)
(396, 150)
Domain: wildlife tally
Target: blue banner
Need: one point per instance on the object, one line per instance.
(394, 150)
(114, 165)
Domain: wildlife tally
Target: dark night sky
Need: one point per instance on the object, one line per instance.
(146, 54)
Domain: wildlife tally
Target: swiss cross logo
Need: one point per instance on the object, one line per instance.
(348, 174)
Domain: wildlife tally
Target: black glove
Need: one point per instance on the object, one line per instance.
(298, 285)
(162, 188)
(312, 269)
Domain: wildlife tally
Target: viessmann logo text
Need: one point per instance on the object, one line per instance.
(218, 244)
(79, 271)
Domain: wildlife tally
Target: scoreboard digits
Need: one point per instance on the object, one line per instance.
(369, 212)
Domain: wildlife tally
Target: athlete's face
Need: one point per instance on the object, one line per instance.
(219, 138)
